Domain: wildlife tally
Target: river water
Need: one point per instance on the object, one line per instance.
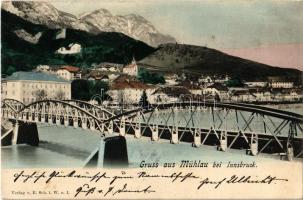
(70, 147)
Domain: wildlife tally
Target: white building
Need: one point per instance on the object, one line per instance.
(129, 90)
(279, 82)
(205, 79)
(170, 94)
(131, 69)
(217, 89)
(72, 49)
(28, 87)
(171, 79)
(282, 84)
(43, 68)
(69, 72)
(256, 84)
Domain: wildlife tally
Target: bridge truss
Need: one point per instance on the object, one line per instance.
(257, 129)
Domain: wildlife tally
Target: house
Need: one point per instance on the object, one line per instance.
(279, 82)
(205, 79)
(260, 94)
(256, 84)
(109, 67)
(72, 48)
(97, 77)
(170, 94)
(131, 69)
(194, 88)
(43, 68)
(222, 79)
(69, 72)
(241, 96)
(217, 89)
(29, 87)
(128, 89)
(171, 79)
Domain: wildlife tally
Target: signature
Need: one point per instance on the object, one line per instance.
(234, 179)
(86, 190)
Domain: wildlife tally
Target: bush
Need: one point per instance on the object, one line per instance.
(85, 90)
(152, 78)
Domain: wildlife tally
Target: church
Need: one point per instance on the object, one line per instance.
(131, 69)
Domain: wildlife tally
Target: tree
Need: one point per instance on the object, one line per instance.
(143, 100)
(60, 95)
(40, 95)
(235, 82)
(152, 78)
(85, 90)
(80, 90)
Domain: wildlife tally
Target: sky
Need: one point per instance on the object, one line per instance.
(265, 31)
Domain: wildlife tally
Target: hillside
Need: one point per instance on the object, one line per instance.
(201, 60)
(36, 44)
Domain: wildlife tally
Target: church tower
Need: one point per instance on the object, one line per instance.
(132, 68)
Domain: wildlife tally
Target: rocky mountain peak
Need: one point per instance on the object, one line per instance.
(97, 21)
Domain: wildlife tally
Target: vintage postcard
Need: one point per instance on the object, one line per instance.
(154, 99)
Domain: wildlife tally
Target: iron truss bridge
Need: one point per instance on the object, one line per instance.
(257, 129)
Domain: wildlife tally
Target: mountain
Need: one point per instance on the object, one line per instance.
(25, 45)
(98, 21)
(201, 60)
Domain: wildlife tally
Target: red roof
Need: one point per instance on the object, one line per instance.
(71, 68)
(123, 82)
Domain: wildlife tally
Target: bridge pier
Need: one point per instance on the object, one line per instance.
(92, 124)
(24, 116)
(30, 117)
(174, 135)
(223, 141)
(111, 153)
(84, 123)
(110, 128)
(197, 137)
(155, 133)
(43, 117)
(49, 118)
(122, 127)
(254, 144)
(290, 141)
(25, 133)
(58, 122)
(15, 133)
(66, 121)
(75, 122)
(36, 117)
(138, 130)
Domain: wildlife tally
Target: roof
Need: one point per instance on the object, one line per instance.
(123, 82)
(218, 86)
(189, 85)
(173, 91)
(34, 76)
(71, 68)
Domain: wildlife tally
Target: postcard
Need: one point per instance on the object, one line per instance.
(130, 99)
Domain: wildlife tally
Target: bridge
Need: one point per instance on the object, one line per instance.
(257, 129)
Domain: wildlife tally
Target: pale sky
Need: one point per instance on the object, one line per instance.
(223, 24)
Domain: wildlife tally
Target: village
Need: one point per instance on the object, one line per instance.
(128, 84)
